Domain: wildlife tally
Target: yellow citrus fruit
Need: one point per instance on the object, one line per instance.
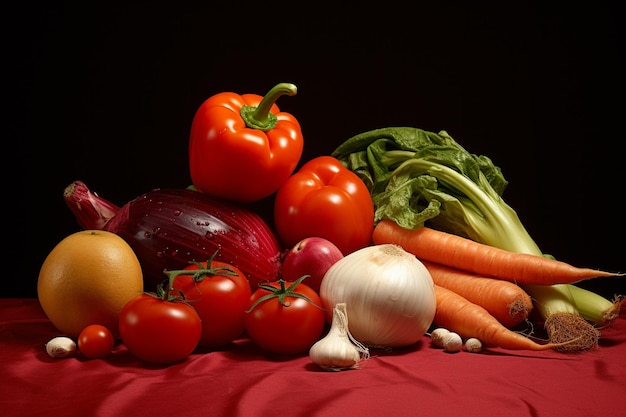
(86, 279)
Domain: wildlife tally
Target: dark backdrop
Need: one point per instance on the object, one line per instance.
(107, 96)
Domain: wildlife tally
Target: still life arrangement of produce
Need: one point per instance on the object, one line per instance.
(397, 234)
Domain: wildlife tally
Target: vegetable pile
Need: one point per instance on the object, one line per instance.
(421, 180)
(402, 233)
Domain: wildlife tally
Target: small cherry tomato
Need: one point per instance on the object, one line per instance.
(95, 341)
(285, 317)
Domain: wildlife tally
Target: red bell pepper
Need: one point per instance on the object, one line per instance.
(242, 147)
(325, 199)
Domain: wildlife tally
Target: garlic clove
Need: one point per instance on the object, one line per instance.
(452, 342)
(473, 345)
(60, 347)
(438, 335)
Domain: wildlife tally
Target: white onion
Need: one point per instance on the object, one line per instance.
(389, 294)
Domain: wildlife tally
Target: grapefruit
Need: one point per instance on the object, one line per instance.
(86, 279)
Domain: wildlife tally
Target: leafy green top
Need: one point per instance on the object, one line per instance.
(416, 176)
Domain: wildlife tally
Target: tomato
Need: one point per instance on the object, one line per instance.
(327, 200)
(158, 330)
(220, 295)
(95, 341)
(285, 322)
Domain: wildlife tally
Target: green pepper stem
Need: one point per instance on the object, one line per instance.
(260, 117)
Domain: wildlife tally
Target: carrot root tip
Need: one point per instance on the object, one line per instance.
(519, 310)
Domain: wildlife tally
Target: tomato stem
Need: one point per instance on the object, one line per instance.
(164, 291)
(282, 292)
(260, 117)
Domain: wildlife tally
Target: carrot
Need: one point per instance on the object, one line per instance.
(506, 301)
(465, 254)
(467, 319)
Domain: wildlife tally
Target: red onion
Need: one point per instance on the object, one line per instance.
(168, 228)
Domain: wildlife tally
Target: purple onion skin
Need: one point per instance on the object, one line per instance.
(168, 228)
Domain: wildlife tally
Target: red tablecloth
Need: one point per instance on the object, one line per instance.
(241, 380)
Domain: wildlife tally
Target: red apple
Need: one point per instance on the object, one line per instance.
(311, 256)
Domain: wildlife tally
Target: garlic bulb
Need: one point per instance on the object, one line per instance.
(338, 350)
(389, 293)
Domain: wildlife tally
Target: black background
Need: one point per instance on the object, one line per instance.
(106, 95)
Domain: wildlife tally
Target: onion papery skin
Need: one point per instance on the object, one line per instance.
(168, 228)
(390, 299)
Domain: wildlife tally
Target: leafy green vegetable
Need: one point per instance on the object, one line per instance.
(416, 176)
